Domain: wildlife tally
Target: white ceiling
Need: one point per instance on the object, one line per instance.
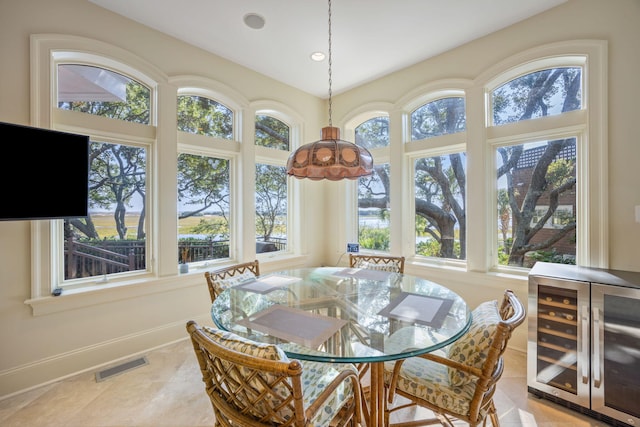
(370, 38)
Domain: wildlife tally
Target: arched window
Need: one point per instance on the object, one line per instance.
(374, 190)
(440, 179)
(272, 190)
(112, 238)
(206, 168)
(537, 179)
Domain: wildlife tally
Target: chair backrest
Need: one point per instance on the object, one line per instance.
(381, 262)
(512, 313)
(246, 389)
(214, 277)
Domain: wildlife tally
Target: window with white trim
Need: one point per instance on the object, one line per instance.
(440, 176)
(374, 209)
(272, 200)
(116, 107)
(536, 177)
(204, 178)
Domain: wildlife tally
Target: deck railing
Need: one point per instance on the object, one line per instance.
(84, 259)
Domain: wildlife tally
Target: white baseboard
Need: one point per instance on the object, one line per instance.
(92, 358)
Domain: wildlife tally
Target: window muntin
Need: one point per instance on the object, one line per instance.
(203, 208)
(543, 93)
(102, 92)
(271, 198)
(440, 117)
(537, 196)
(374, 133)
(112, 238)
(200, 115)
(373, 209)
(440, 200)
(271, 133)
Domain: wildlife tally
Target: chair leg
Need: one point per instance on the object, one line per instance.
(493, 414)
(444, 420)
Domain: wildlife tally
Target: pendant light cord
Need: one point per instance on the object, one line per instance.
(330, 123)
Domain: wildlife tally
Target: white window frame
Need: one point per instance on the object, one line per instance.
(381, 155)
(275, 157)
(228, 149)
(429, 147)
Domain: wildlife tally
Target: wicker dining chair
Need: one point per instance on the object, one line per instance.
(216, 278)
(461, 384)
(255, 384)
(377, 262)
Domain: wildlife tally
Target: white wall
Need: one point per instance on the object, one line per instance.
(618, 23)
(39, 349)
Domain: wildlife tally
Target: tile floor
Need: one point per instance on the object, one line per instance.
(168, 392)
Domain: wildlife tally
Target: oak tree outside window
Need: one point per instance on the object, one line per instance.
(436, 118)
(441, 223)
(200, 115)
(271, 132)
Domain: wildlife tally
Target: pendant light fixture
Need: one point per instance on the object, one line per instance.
(330, 158)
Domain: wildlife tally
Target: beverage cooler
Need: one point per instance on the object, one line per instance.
(584, 340)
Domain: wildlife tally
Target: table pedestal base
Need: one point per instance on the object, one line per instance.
(374, 404)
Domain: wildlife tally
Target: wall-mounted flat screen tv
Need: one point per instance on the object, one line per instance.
(44, 173)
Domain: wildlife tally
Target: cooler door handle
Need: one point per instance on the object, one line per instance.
(596, 347)
(585, 344)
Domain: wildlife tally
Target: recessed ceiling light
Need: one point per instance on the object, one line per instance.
(253, 20)
(317, 56)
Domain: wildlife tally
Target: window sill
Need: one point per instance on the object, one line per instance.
(72, 299)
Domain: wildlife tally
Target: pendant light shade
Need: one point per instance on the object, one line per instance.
(330, 158)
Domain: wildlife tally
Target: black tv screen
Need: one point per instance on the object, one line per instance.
(45, 173)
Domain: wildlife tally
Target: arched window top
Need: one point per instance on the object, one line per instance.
(204, 116)
(374, 133)
(272, 132)
(547, 92)
(438, 117)
(102, 92)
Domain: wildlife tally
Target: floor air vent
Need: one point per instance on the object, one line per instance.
(121, 369)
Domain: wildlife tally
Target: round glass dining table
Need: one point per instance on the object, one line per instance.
(337, 314)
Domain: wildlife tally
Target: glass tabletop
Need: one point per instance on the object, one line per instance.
(344, 314)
